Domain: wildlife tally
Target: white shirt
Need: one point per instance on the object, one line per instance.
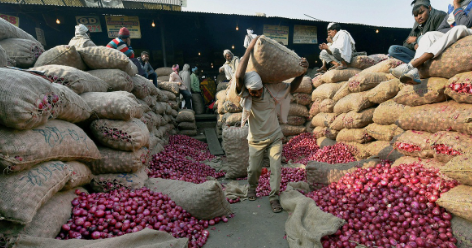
(345, 43)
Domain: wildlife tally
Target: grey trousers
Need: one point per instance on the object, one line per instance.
(335, 56)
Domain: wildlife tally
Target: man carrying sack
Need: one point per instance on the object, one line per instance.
(259, 108)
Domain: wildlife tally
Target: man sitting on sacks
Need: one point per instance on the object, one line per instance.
(259, 108)
(324, 66)
(82, 37)
(122, 43)
(426, 19)
(455, 26)
(339, 54)
(229, 67)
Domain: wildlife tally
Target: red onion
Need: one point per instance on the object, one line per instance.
(444, 149)
(287, 175)
(299, 148)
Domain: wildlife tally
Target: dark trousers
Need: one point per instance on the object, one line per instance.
(402, 53)
(187, 97)
(153, 76)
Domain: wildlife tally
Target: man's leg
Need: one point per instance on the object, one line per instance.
(187, 97)
(256, 153)
(275, 157)
(153, 76)
(338, 57)
(329, 58)
(401, 53)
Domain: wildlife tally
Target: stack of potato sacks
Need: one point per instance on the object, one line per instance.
(229, 113)
(298, 113)
(186, 122)
(170, 102)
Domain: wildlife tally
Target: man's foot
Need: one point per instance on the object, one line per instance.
(276, 207)
(400, 70)
(411, 77)
(251, 194)
(322, 69)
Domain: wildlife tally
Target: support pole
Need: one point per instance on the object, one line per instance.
(163, 40)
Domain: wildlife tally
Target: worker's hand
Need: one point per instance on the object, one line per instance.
(253, 43)
(179, 83)
(304, 63)
(128, 42)
(324, 46)
(222, 70)
(457, 4)
(411, 39)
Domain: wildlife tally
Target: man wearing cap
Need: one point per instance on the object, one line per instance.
(426, 19)
(259, 108)
(229, 67)
(122, 43)
(339, 54)
(81, 38)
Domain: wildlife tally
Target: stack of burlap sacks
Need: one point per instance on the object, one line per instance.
(186, 122)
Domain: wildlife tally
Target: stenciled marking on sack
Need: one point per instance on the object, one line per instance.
(127, 177)
(53, 136)
(37, 176)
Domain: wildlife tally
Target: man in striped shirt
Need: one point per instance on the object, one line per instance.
(122, 43)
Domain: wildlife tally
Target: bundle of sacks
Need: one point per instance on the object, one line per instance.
(229, 114)
(186, 122)
(168, 106)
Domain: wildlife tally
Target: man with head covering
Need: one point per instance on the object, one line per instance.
(456, 25)
(175, 78)
(82, 37)
(231, 64)
(261, 104)
(122, 43)
(195, 82)
(248, 38)
(185, 76)
(426, 19)
(339, 54)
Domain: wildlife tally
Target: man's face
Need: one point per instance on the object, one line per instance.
(145, 57)
(422, 15)
(228, 57)
(332, 33)
(256, 93)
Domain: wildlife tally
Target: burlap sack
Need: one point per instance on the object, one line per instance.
(366, 81)
(185, 115)
(298, 110)
(305, 86)
(325, 91)
(114, 161)
(163, 71)
(323, 119)
(237, 151)
(335, 76)
(121, 135)
(315, 108)
(117, 80)
(24, 52)
(117, 105)
(198, 103)
(99, 57)
(301, 98)
(162, 97)
(203, 201)
(142, 87)
(445, 116)
(220, 120)
(462, 230)
(357, 135)
(222, 86)
(72, 107)
(323, 141)
(80, 175)
(352, 102)
(338, 123)
(327, 106)
(55, 140)
(8, 30)
(231, 94)
(458, 142)
(454, 60)
(457, 201)
(358, 120)
(23, 193)
(426, 162)
(230, 107)
(388, 113)
(459, 168)
(358, 150)
(163, 78)
(159, 108)
(384, 91)
(430, 90)
(378, 57)
(3, 57)
(421, 139)
(61, 55)
(384, 66)
(131, 180)
(289, 130)
(220, 108)
(173, 105)
(170, 96)
(319, 132)
(316, 81)
(187, 126)
(234, 119)
(342, 91)
(169, 86)
(327, 132)
(383, 150)
(460, 97)
(361, 62)
(152, 100)
(188, 132)
(273, 61)
(383, 132)
(221, 95)
(291, 120)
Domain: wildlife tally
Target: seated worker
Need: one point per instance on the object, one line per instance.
(339, 54)
(455, 26)
(123, 44)
(81, 38)
(426, 19)
(324, 67)
(229, 67)
(259, 108)
(149, 71)
(174, 77)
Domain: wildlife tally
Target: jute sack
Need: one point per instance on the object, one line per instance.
(25, 52)
(301, 98)
(338, 123)
(236, 148)
(150, 100)
(188, 132)
(77, 80)
(234, 119)
(342, 91)
(305, 86)
(8, 30)
(173, 105)
(430, 90)
(460, 97)
(148, 121)
(220, 109)
(100, 57)
(426, 162)
(417, 138)
(169, 86)
(131, 180)
(316, 81)
(379, 57)
(366, 81)
(319, 132)
(298, 110)
(159, 108)
(163, 78)
(55, 140)
(358, 120)
(327, 106)
(383, 132)
(222, 86)
(324, 173)
(388, 112)
(230, 107)
(315, 108)
(163, 71)
(384, 66)
(80, 175)
(221, 95)
(203, 201)
(187, 126)
(323, 141)
(61, 55)
(289, 130)
(170, 96)
(198, 103)
(335, 76)
(352, 102)
(121, 135)
(220, 120)
(117, 80)
(274, 62)
(232, 95)
(142, 87)
(454, 60)
(3, 57)
(462, 232)
(356, 135)
(383, 150)
(73, 108)
(291, 120)
(358, 150)
(23, 193)
(460, 143)
(327, 132)
(459, 168)
(186, 115)
(323, 119)
(114, 161)
(161, 96)
(450, 116)
(174, 113)
(117, 105)
(384, 91)
(457, 201)
(361, 62)
(325, 91)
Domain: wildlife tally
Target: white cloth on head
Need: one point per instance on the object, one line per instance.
(81, 30)
(436, 42)
(345, 43)
(227, 51)
(81, 39)
(330, 25)
(253, 81)
(451, 18)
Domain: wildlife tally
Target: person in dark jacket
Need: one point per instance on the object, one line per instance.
(122, 43)
(426, 19)
(148, 70)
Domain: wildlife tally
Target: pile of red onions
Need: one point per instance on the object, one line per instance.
(444, 149)
(407, 147)
(107, 215)
(388, 207)
(287, 174)
(188, 141)
(188, 151)
(335, 154)
(461, 87)
(299, 148)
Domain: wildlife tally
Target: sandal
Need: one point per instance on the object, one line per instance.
(276, 207)
(251, 194)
